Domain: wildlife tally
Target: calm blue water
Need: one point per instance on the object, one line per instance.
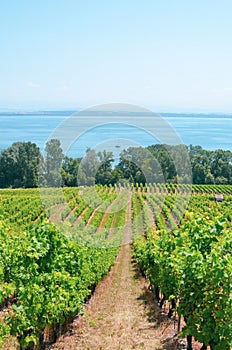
(209, 131)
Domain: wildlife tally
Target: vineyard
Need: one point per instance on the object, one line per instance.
(57, 245)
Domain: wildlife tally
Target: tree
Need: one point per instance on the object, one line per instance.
(52, 163)
(19, 165)
(104, 172)
(201, 166)
(88, 169)
(69, 171)
(221, 166)
(139, 165)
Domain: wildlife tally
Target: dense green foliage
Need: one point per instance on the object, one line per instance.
(50, 274)
(190, 264)
(19, 165)
(48, 271)
(22, 165)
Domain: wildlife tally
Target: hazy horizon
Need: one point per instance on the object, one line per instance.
(70, 109)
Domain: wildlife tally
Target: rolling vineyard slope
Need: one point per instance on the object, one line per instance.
(49, 274)
(47, 271)
(191, 265)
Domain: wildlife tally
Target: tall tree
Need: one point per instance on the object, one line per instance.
(19, 165)
(69, 170)
(88, 168)
(53, 163)
(138, 164)
(104, 175)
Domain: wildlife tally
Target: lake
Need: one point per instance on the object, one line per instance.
(211, 131)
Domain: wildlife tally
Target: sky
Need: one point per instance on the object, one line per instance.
(165, 55)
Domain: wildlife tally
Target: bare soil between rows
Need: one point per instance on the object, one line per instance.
(122, 313)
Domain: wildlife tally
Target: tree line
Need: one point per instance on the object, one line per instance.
(23, 165)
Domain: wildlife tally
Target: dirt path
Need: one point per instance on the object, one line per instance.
(78, 219)
(105, 217)
(92, 215)
(56, 211)
(121, 313)
(71, 213)
(151, 223)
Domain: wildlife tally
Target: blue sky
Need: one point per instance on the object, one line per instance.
(166, 55)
